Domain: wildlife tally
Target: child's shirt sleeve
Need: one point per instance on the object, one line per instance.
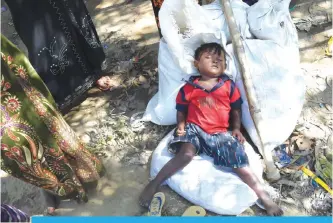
(235, 97)
(182, 100)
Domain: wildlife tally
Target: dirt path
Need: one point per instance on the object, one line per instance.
(101, 118)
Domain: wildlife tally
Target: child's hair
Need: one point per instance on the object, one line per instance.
(209, 47)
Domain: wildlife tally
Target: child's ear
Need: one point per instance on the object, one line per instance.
(196, 63)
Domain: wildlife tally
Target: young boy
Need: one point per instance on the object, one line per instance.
(204, 105)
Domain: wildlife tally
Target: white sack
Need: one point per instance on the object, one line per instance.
(279, 88)
(161, 108)
(180, 21)
(206, 185)
(217, 17)
(270, 20)
(274, 67)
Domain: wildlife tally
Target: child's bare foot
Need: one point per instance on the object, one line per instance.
(271, 208)
(250, 179)
(147, 194)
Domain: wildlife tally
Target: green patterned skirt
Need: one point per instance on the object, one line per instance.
(37, 145)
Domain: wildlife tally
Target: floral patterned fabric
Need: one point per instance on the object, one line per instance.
(37, 145)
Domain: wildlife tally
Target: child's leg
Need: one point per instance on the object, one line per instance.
(182, 158)
(247, 175)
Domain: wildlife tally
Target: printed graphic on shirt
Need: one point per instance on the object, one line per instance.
(207, 102)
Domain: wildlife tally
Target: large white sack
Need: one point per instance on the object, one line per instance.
(179, 22)
(274, 68)
(218, 19)
(279, 87)
(271, 20)
(201, 182)
(161, 108)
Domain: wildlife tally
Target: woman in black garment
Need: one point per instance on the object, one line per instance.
(63, 46)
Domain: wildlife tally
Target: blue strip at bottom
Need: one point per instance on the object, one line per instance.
(39, 219)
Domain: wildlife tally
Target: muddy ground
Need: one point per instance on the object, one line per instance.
(101, 118)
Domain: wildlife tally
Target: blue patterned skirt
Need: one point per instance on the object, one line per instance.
(226, 150)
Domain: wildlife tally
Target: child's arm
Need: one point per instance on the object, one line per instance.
(181, 121)
(236, 117)
(182, 106)
(236, 113)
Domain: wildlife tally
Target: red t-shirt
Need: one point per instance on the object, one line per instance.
(209, 109)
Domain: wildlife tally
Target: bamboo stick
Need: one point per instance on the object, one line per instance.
(272, 172)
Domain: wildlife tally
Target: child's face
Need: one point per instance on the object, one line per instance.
(210, 64)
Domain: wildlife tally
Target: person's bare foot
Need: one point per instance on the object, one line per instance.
(50, 211)
(272, 209)
(52, 202)
(147, 194)
(104, 83)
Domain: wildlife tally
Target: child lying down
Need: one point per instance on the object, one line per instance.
(204, 105)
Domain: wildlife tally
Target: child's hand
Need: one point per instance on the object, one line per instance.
(236, 133)
(180, 130)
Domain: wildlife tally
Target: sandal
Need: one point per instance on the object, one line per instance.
(156, 205)
(194, 211)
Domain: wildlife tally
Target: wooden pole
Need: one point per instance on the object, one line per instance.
(272, 172)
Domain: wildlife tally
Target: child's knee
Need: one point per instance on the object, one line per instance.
(187, 152)
(242, 170)
(188, 156)
(245, 173)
